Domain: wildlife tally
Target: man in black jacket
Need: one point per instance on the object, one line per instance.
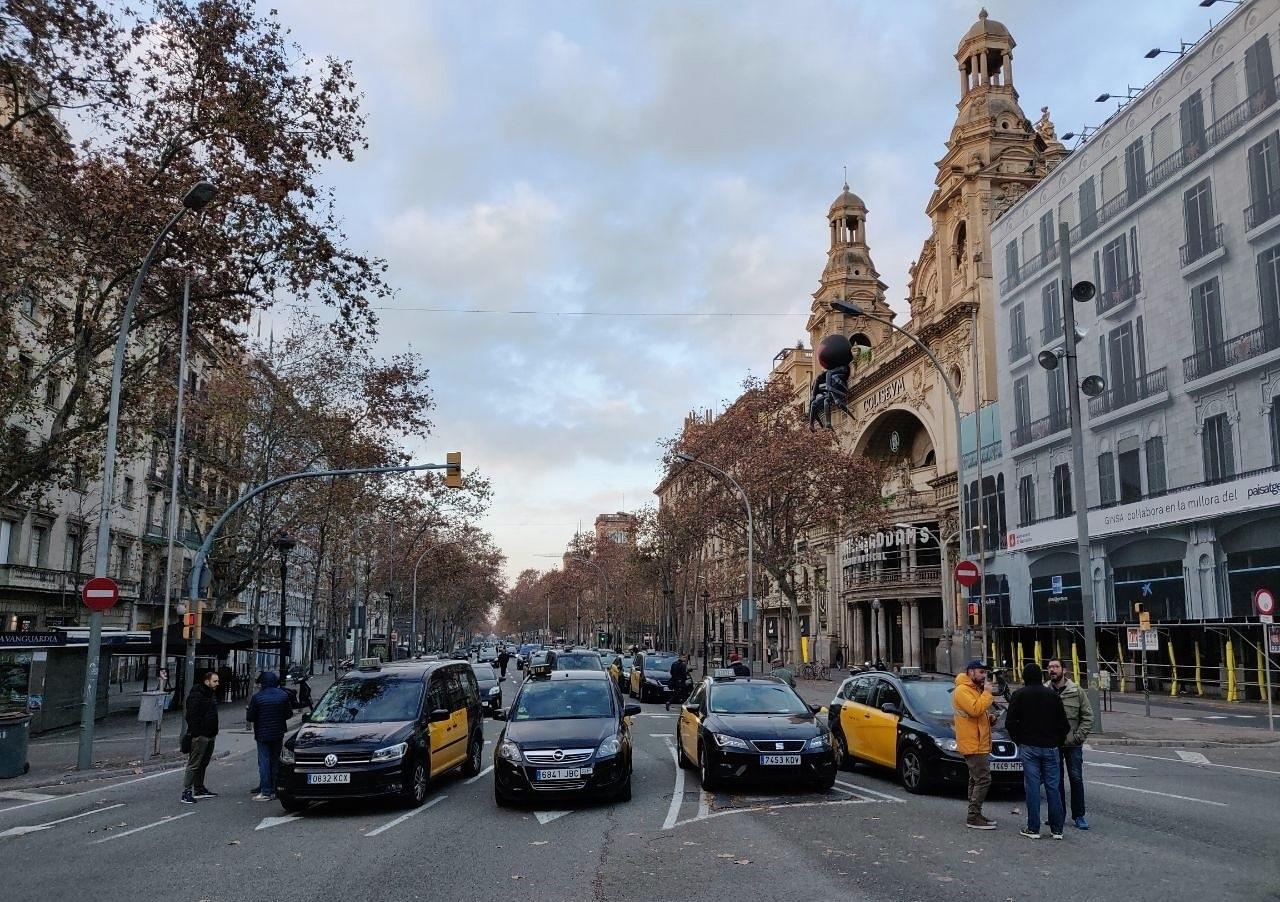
(202, 728)
(1038, 723)
(269, 711)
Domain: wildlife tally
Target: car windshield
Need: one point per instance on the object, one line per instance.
(578, 661)
(755, 698)
(563, 700)
(659, 662)
(369, 701)
(483, 672)
(525, 649)
(931, 699)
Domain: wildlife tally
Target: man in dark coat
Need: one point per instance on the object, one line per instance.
(738, 666)
(679, 682)
(201, 714)
(269, 711)
(1038, 723)
(504, 657)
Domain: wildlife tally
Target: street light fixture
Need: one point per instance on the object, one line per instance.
(706, 626)
(283, 544)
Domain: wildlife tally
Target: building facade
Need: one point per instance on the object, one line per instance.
(1174, 214)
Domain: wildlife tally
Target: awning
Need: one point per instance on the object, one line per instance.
(215, 640)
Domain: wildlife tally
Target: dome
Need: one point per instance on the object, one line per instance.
(848, 200)
(986, 27)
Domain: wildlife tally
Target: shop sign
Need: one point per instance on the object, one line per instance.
(28, 639)
(1273, 640)
(886, 393)
(868, 548)
(1196, 503)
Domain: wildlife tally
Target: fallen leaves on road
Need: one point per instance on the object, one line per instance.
(973, 851)
(517, 876)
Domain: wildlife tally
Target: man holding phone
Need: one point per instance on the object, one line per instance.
(974, 718)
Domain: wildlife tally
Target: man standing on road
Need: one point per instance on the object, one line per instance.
(1038, 723)
(739, 668)
(679, 682)
(503, 657)
(202, 727)
(1075, 702)
(971, 703)
(269, 711)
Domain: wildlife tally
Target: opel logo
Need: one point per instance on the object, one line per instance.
(558, 754)
(330, 760)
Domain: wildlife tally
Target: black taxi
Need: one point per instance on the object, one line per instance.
(904, 722)
(753, 728)
(567, 732)
(385, 730)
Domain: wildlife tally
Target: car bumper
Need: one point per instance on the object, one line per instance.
(814, 767)
(520, 780)
(954, 770)
(368, 781)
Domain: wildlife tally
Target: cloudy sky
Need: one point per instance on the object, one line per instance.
(670, 159)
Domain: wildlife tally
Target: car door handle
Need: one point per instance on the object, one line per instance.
(866, 717)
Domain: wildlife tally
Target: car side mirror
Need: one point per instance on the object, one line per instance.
(500, 714)
(816, 709)
(631, 710)
(306, 718)
(890, 708)
(439, 714)
(693, 707)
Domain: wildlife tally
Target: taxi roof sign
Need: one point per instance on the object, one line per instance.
(723, 673)
(370, 664)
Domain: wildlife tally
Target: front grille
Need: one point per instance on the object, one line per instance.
(1001, 749)
(560, 785)
(317, 760)
(548, 756)
(778, 745)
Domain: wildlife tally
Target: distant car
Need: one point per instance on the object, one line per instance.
(542, 657)
(578, 659)
(487, 655)
(523, 653)
(460, 654)
(490, 686)
(651, 675)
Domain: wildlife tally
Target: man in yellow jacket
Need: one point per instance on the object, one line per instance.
(973, 721)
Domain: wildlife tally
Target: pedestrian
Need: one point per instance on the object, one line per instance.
(784, 673)
(269, 711)
(503, 657)
(879, 663)
(679, 677)
(739, 668)
(201, 715)
(974, 717)
(1038, 723)
(305, 699)
(1075, 702)
(226, 681)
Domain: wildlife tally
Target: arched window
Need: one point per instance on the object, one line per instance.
(960, 247)
(860, 339)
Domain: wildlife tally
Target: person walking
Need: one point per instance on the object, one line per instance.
(305, 698)
(503, 657)
(738, 666)
(783, 672)
(1038, 723)
(201, 714)
(679, 682)
(269, 711)
(974, 717)
(1075, 702)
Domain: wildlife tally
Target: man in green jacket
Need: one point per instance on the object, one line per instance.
(1080, 715)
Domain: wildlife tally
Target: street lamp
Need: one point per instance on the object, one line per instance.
(706, 626)
(283, 544)
(192, 202)
(391, 654)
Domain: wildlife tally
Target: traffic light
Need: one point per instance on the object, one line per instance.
(192, 622)
(453, 470)
(831, 388)
(973, 613)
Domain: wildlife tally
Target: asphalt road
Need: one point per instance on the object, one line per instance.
(1168, 825)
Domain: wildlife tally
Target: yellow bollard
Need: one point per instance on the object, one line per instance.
(1057, 647)
(1199, 688)
(1231, 672)
(1173, 669)
(1037, 653)
(1075, 662)
(804, 649)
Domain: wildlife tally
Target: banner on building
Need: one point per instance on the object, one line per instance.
(1137, 637)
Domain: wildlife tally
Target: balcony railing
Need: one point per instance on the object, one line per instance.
(1020, 348)
(920, 576)
(1126, 393)
(1232, 351)
(1051, 332)
(990, 451)
(1119, 293)
(1204, 245)
(1262, 209)
(1056, 421)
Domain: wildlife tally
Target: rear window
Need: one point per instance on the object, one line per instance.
(659, 662)
(583, 661)
(564, 700)
(483, 672)
(376, 700)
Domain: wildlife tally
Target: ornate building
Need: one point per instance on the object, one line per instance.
(887, 594)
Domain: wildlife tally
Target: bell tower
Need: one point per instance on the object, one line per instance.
(850, 275)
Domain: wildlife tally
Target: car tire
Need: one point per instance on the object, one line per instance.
(681, 759)
(292, 805)
(475, 757)
(825, 784)
(912, 772)
(415, 788)
(624, 791)
(499, 797)
(710, 783)
(844, 760)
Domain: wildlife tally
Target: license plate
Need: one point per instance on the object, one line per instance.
(1006, 765)
(559, 773)
(328, 778)
(785, 760)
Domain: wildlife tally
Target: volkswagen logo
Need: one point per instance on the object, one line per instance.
(558, 754)
(330, 760)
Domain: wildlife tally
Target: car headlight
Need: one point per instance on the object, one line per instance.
(729, 742)
(509, 751)
(287, 756)
(947, 745)
(821, 741)
(391, 752)
(496, 690)
(609, 747)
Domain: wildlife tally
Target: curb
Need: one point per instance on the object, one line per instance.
(1184, 743)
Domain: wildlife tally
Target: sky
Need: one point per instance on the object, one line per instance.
(663, 170)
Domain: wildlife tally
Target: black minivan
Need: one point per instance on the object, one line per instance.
(385, 730)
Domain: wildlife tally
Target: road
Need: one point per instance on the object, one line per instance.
(1168, 825)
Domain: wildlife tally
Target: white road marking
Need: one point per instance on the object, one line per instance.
(874, 792)
(1252, 770)
(1182, 718)
(1215, 717)
(19, 796)
(677, 794)
(704, 805)
(404, 817)
(36, 828)
(479, 775)
(1192, 757)
(268, 822)
(1108, 764)
(85, 792)
(1152, 792)
(546, 817)
(783, 806)
(163, 820)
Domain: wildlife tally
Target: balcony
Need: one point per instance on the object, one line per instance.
(1119, 294)
(889, 579)
(1020, 348)
(1262, 216)
(1051, 332)
(41, 579)
(1123, 395)
(1030, 267)
(1043, 428)
(1201, 249)
(990, 451)
(1232, 352)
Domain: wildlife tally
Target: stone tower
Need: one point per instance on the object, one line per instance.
(849, 275)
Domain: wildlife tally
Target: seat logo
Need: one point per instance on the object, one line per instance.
(778, 746)
(330, 760)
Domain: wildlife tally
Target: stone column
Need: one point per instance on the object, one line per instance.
(917, 633)
(859, 643)
(983, 77)
(882, 634)
(1007, 69)
(964, 79)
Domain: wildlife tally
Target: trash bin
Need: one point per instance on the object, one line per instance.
(152, 706)
(15, 730)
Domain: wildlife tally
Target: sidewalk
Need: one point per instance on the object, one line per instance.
(118, 745)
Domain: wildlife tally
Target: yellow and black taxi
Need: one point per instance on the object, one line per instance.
(904, 721)
(651, 675)
(567, 732)
(385, 730)
(753, 729)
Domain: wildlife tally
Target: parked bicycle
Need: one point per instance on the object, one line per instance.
(814, 670)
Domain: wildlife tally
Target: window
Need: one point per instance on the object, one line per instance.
(1047, 241)
(1018, 328)
(1106, 479)
(1056, 388)
(1124, 369)
(52, 390)
(1088, 207)
(1219, 458)
(38, 550)
(122, 560)
(860, 691)
(1264, 180)
(28, 301)
(72, 550)
(1162, 145)
(1223, 93)
(1110, 180)
(1062, 490)
(1135, 171)
(1269, 292)
(1197, 216)
(1191, 125)
(126, 494)
(1129, 464)
(1051, 310)
(7, 529)
(1206, 326)
(887, 694)
(1115, 269)
(1259, 77)
(1026, 500)
(1156, 482)
(1011, 263)
(1274, 420)
(1021, 403)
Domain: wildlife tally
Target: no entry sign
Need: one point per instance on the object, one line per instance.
(966, 573)
(1264, 604)
(100, 593)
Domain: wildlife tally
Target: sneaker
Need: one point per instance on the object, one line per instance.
(263, 797)
(1057, 836)
(203, 793)
(188, 798)
(1029, 834)
(978, 822)
(1081, 824)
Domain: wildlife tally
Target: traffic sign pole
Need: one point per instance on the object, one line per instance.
(1264, 605)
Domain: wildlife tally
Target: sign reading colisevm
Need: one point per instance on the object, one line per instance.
(1196, 503)
(884, 394)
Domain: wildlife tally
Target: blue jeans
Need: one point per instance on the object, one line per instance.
(268, 764)
(1073, 765)
(1040, 766)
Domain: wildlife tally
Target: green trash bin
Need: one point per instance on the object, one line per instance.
(15, 730)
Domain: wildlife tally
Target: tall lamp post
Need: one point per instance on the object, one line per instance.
(706, 627)
(283, 544)
(192, 202)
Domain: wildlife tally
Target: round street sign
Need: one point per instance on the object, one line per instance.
(966, 573)
(100, 593)
(1264, 602)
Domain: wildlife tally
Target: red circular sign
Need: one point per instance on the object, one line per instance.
(966, 573)
(1264, 602)
(100, 593)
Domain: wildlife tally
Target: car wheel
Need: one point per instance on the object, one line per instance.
(912, 773)
(709, 781)
(292, 805)
(499, 797)
(681, 759)
(475, 757)
(415, 790)
(844, 760)
(825, 784)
